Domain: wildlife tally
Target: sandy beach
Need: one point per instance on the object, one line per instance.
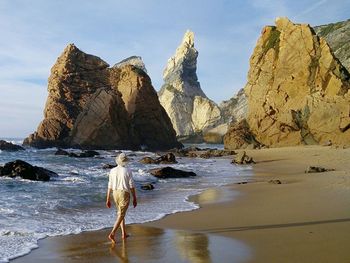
(306, 218)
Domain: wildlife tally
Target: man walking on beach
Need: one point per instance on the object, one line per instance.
(121, 184)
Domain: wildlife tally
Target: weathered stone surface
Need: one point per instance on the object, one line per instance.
(7, 146)
(297, 93)
(150, 126)
(239, 137)
(189, 109)
(134, 61)
(93, 106)
(337, 36)
(26, 171)
(242, 158)
(169, 172)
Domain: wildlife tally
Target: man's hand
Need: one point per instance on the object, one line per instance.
(134, 202)
(108, 203)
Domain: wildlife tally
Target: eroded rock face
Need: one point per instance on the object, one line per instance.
(93, 106)
(236, 108)
(337, 36)
(297, 91)
(181, 96)
(239, 136)
(150, 127)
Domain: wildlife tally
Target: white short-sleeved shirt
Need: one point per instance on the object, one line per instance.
(120, 178)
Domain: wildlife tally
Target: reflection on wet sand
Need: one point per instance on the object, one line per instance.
(145, 244)
(193, 247)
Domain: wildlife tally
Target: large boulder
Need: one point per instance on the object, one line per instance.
(26, 171)
(189, 109)
(239, 136)
(7, 146)
(93, 106)
(169, 172)
(297, 93)
(168, 158)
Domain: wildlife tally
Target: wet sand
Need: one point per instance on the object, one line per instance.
(306, 218)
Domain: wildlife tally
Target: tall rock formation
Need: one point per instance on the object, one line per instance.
(93, 106)
(189, 109)
(298, 92)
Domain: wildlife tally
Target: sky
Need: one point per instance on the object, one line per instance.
(34, 33)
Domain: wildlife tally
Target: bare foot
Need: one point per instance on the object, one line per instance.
(125, 236)
(111, 238)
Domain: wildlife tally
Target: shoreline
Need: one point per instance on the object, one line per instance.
(303, 219)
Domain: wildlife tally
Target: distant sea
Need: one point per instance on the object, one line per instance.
(75, 200)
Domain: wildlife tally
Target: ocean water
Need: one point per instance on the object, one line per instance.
(75, 200)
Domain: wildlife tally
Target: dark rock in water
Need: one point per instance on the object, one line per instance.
(7, 146)
(26, 171)
(316, 169)
(87, 154)
(242, 158)
(169, 172)
(147, 187)
(168, 158)
(109, 166)
(275, 182)
(216, 153)
(148, 160)
(84, 154)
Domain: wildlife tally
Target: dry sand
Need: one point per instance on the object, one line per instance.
(306, 218)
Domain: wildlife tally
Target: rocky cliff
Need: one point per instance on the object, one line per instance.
(93, 106)
(298, 92)
(337, 36)
(234, 109)
(189, 109)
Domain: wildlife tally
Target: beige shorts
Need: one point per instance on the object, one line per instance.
(122, 200)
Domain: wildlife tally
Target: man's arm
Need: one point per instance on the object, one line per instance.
(108, 201)
(134, 199)
(109, 190)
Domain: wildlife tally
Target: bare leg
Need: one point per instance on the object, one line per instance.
(124, 234)
(115, 228)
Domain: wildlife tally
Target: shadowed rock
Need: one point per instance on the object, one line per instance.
(242, 158)
(169, 172)
(26, 171)
(84, 154)
(7, 146)
(168, 158)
